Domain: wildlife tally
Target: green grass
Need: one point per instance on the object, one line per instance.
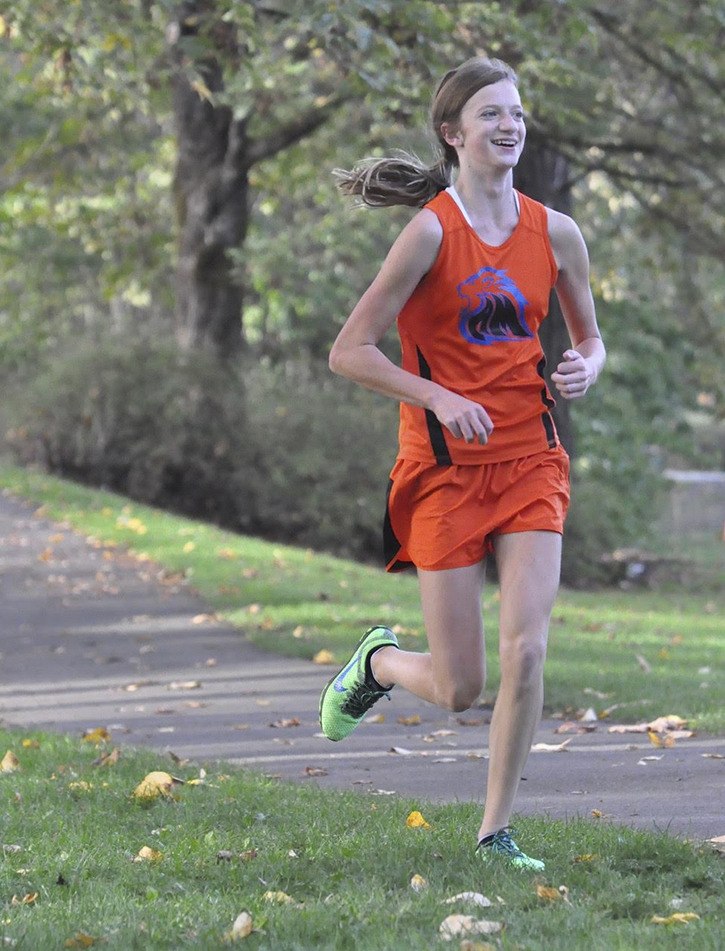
(297, 602)
(345, 859)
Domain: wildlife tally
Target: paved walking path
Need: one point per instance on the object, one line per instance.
(91, 637)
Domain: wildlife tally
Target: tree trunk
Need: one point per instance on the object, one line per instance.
(543, 174)
(211, 191)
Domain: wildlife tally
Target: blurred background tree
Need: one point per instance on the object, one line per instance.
(167, 176)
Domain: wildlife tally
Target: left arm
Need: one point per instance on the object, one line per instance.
(582, 364)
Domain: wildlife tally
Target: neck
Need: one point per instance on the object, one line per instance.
(492, 196)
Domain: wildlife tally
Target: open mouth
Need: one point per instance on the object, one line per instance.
(505, 143)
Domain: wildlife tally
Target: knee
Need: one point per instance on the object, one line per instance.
(522, 660)
(459, 695)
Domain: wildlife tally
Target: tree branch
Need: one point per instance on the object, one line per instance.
(292, 132)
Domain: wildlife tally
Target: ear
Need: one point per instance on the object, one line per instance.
(451, 134)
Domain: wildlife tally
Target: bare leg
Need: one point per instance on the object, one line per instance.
(452, 674)
(528, 565)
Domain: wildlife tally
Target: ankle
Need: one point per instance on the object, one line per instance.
(377, 669)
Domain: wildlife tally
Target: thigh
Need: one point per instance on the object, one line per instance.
(451, 602)
(528, 565)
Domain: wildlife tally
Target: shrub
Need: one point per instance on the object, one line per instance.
(147, 420)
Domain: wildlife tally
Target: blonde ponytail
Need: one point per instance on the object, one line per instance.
(398, 179)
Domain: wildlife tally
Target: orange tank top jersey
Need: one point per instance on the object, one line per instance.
(472, 326)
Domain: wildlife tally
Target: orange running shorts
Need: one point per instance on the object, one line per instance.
(440, 517)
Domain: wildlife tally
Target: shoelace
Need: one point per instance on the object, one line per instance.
(361, 699)
(503, 843)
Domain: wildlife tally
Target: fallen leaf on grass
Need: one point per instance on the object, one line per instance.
(242, 928)
(97, 735)
(418, 883)
(718, 843)
(643, 663)
(147, 854)
(280, 898)
(156, 784)
(586, 857)
(553, 894)
(80, 940)
(416, 821)
(9, 763)
(108, 759)
(28, 744)
(473, 898)
(29, 899)
(324, 657)
(468, 945)
(458, 926)
(679, 918)
(551, 747)
(79, 788)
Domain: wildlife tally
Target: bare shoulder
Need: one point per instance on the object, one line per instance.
(566, 239)
(422, 235)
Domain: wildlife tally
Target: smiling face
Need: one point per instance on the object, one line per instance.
(491, 130)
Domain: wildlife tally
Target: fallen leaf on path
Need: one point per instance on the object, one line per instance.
(401, 751)
(415, 820)
(324, 657)
(713, 755)
(284, 724)
(473, 898)
(9, 763)
(375, 718)
(242, 928)
(477, 721)
(679, 918)
(184, 685)
(315, 771)
(551, 747)
(574, 726)
(655, 739)
(412, 720)
(458, 926)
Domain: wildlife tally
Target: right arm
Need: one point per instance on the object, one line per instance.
(356, 355)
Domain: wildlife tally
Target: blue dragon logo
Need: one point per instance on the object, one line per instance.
(493, 308)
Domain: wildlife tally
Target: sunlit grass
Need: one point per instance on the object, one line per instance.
(71, 830)
(647, 653)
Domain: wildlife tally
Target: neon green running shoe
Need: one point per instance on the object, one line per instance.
(501, 843)
(352, 691)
